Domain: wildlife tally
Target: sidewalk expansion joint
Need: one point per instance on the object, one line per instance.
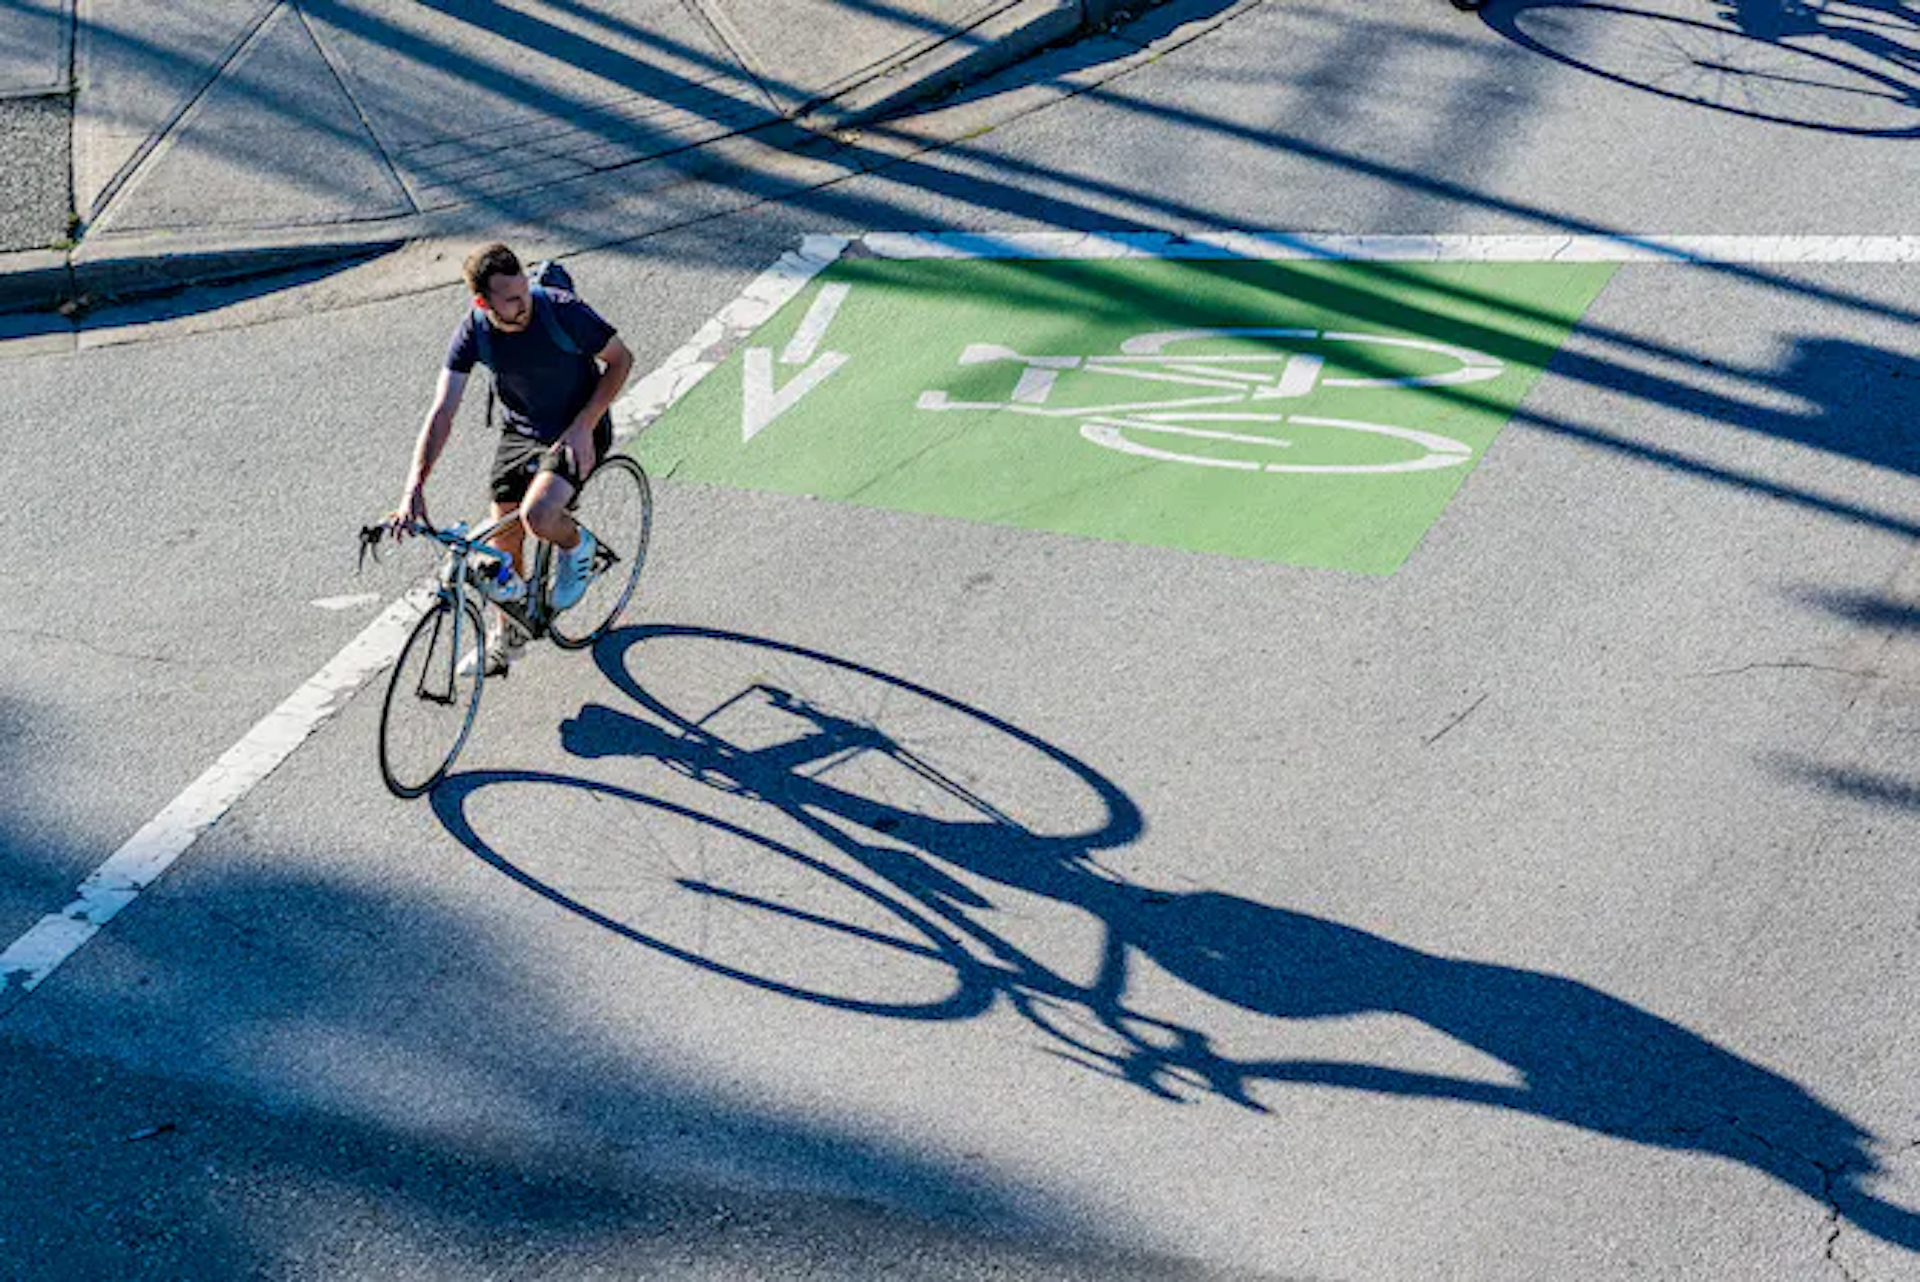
(353, 100)
(148, 148)
(735, 43)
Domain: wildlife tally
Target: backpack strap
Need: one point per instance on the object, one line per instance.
(551, 322)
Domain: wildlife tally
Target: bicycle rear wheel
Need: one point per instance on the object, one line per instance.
(616, 503)
(432, 698)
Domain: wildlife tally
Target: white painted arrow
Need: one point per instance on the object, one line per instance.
(760, 401)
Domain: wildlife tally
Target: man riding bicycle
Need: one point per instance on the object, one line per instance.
(557, 367)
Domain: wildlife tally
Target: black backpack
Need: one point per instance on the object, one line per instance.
(544, 276)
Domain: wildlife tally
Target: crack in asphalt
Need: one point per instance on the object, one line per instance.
(1833, 1223)
(1470, 710)
(61, 638)
(1788, 665)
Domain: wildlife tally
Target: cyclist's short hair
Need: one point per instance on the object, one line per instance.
(486, 262)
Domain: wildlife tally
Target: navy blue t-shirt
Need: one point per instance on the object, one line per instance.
(540, 384)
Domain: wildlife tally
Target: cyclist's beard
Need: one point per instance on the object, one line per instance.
(513, 324)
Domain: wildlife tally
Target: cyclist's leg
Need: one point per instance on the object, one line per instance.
(545, 509)
(559, 477)
(516, 463)
(510, 539)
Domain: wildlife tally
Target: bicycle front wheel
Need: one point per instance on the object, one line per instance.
(432, 698)
(616, 503)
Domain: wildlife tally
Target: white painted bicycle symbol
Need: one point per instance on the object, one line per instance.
(1230, 386)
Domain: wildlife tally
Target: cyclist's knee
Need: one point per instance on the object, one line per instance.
(545, 513)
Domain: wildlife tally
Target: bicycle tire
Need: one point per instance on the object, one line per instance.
(416, 711)
(616, 503)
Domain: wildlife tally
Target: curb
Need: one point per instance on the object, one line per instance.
(994, 42)
(144, 265)
(35, 280)
(129, 276)
(415, 250)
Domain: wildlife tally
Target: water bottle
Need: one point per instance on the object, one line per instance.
(500, 583)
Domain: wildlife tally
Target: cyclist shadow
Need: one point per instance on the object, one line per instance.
(1884, 29)
(1581, 1057)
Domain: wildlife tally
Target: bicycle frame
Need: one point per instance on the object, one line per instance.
(456, 582)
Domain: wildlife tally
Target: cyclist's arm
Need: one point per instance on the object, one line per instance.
(616, 363)
(433, 439)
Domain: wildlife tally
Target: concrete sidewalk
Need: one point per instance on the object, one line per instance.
(235, 135)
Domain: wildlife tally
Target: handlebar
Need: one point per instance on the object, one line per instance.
(456, 537)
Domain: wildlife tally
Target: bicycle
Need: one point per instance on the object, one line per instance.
(433, 695)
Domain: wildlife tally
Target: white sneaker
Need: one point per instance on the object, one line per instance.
(572, 569)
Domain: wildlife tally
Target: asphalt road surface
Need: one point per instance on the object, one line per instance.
(1064, 906)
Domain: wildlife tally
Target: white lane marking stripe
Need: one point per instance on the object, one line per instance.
(152, 850)
(651, 397)
(1276, 246)
(813, 328)
(28, 961)
(339, 603)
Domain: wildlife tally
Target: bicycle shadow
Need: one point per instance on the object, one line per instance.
(1580, 1057)
(1842, 68)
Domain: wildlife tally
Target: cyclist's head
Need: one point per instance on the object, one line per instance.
(499, 284)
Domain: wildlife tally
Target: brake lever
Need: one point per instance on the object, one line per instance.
(370, 538)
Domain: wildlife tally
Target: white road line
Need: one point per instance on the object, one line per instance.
(813, 327)
(1277, 246)
(152, 850)
(649, 398)
(112, 886)
(340, 603)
